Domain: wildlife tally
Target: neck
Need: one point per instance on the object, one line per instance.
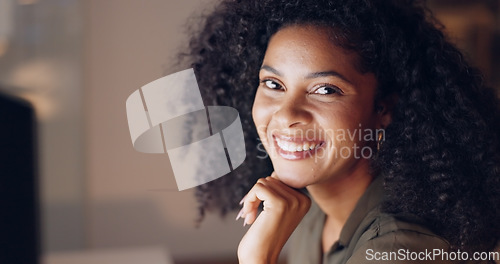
(338, 197)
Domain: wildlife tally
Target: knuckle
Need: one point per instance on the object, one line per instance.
(294, 203)
(280, 203)
(305, 203)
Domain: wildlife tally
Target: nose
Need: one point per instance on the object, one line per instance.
(292, 111)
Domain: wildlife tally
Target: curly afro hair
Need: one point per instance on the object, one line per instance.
(440, 158)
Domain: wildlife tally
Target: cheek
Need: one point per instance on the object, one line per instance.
(344, 124)
(261, 113)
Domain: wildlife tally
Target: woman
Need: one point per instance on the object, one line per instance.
(363, 106)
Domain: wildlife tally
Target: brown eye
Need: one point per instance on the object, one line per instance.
(327, 90)
(271, 84)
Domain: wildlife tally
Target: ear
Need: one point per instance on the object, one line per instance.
(384, 109)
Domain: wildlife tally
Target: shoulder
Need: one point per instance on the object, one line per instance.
(398, 239)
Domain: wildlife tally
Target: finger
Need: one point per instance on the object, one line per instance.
(254, 197)
(245, 211)
(285, 192)
(274, 178)
(281, 191)
(294, 199)
(259, 193)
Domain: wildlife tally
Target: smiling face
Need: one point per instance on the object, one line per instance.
(314, 111)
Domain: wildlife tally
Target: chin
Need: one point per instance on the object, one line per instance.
(294, 178)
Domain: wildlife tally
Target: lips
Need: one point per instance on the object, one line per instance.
(296, 148)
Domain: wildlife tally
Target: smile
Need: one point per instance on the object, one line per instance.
(295, 149)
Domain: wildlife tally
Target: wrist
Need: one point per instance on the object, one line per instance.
(258, 257)
(257, 261)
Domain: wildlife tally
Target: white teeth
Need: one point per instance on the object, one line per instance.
(293, 147)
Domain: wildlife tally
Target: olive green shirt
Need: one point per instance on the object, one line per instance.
(368, 236)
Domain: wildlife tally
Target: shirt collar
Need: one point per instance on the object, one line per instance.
(370, 199)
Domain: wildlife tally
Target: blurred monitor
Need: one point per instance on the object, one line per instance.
(19, 240)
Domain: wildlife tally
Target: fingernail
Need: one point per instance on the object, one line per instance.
(245, 223)
(242, 200)
(239, 214)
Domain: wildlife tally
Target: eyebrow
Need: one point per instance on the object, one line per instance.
(310, 75)
(325, 74)
(271, 69)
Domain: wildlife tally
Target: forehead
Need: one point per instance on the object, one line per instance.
(310, 45)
